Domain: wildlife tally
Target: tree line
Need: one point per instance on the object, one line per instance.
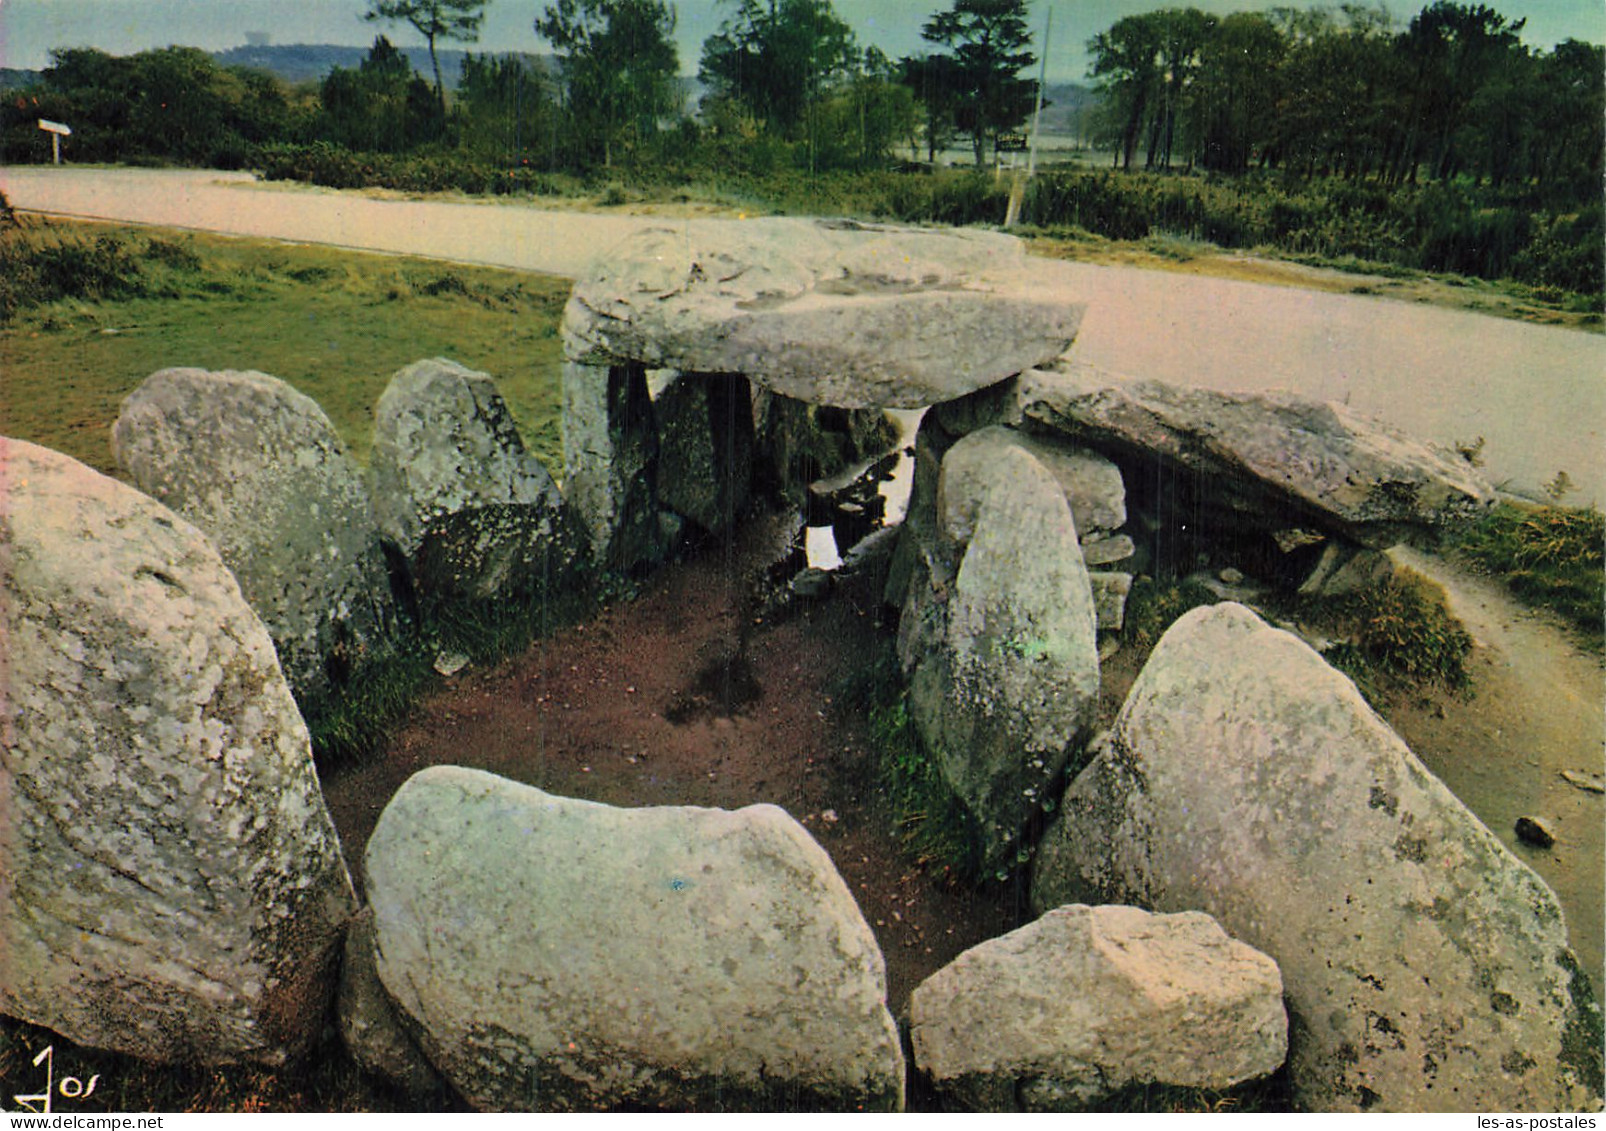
(1345, 93)
(1444, 143)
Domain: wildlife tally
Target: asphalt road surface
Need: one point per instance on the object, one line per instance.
(1536, 394)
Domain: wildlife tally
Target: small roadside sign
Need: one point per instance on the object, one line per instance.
(57, 131)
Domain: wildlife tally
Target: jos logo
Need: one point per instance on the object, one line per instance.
(70, 1087)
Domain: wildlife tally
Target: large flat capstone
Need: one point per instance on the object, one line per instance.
(828, 312)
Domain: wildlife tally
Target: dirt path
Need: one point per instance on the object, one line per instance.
(1537, 394)
(1539, 709)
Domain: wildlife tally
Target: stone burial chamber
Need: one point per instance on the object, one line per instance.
(832, 314)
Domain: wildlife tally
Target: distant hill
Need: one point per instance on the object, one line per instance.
(13, 79)
(303, 62)
(1067, 106)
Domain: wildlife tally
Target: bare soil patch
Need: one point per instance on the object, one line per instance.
(688, 695)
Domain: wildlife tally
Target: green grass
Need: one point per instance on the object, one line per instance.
(931, 824)
(1548, 556)
(1400, 635)
(334, 324)
(89, 312)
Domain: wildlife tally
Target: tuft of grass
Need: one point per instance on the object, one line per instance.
(932, 825)
(1401, 635)
(1552, 557)
(1153, 606)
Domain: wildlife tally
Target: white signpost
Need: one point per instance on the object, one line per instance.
(57, 131)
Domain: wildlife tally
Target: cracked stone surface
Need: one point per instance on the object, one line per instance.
(828, 312)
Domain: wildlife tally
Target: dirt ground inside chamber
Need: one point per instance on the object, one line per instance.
(691, 695)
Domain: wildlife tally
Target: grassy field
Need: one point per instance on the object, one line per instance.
(334, 324)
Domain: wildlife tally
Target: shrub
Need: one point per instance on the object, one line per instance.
(1402, 635)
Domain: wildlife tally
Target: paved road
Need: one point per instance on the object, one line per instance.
(1536, 394)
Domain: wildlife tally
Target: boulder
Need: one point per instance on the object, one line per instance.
(705, 441)
(1091, 484)
(1085, 1001)
(258, 467)
(1004, 663)
(369, 1027)
(1343, 568)
(1267, 457)
(172, 887)
(1426, 967)
(1110, 591)
(554, 954)
(455, 491)
(825, 311)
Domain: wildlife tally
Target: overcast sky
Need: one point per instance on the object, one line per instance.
(30, 28)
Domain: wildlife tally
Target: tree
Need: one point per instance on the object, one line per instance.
(1126, 63)
(505, 108)
(778, 58)
(989, 47)
(619, 67)
(434, 19)
(381, 106)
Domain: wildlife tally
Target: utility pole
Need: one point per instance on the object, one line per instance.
(1017, 192)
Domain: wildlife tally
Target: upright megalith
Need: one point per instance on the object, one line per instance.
(583, 956)
(705, 458)
(258, 467)
(1427, 969)
(171, 885)
(469, 509)
(1002, 656)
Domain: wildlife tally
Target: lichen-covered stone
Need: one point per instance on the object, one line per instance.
(171, 885)
(1268, 457)
(258, 467)
(1085, 1001)
(1426, 967)
(555, 954)
(369, 1027)
(1003, 662)
(473, 512)
(610, 461)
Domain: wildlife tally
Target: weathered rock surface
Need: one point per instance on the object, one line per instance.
(1269, 456)
(1091, 483)
(705, 440)
(258, 467)
(1088, 1000)
(830, 312)
(1004, 667)
(1426, 967)
(610, 461)
(455, 490)
(172, 884)
(584, 956)
(1110, 591)
(369, 1027)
